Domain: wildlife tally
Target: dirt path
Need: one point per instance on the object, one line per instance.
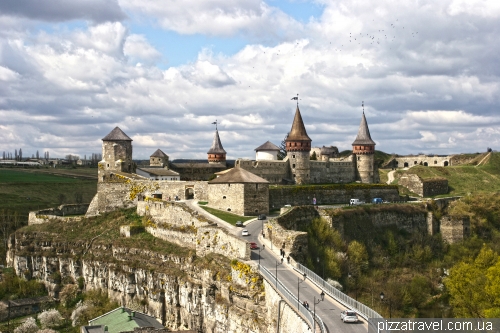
(390, 176)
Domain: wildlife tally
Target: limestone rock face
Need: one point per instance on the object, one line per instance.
(179, 291)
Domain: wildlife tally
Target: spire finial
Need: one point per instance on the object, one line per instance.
(215, 123)
(296, 99)
(363, 105)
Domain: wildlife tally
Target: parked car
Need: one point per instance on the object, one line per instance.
(239, 224)
(377, 200)
(349, 316)
(261, 217)
(253, 246)
(244, 232)
(354, 202)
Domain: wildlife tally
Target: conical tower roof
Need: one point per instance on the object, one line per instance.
(159, 153)
(216, 145)
(363, 137)
(298, 131)
(116, 135)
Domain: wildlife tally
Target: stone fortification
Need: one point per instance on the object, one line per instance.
(288, 230)
(115, 194)
(178, 290)
(218, 240)
(177, 223)
(196, 171)
(425, 160)
(360, 222)
(329, 194)
(274, 171)
(454, 229)
(334, 170)
(60, 213)
(171, 213)
(424, 187)
(239, 191)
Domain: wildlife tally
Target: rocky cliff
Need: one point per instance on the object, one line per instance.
(173, 284)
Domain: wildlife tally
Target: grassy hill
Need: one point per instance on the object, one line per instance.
(466, 178)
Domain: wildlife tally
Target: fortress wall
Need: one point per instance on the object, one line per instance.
(413, 183)
(187, 172)
(60, 212)
(454, 229)
(360, 223)
(420, 160)
(172, 189)
(329, 194)
(298, 218)
(256, 199)
(218, 240)
(293, 242)
(227, 197)
(174, 213)
(332, 171)
(181, 238)
(272, 171)
(426, 187)
(435, 186)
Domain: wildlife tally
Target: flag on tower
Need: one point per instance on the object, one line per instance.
(295, 98)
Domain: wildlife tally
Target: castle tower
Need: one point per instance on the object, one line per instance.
(216, 154)
(363, 149)
(298, 146)
(117, 152)
(158, 159)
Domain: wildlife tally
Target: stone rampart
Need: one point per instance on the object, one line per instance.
(62, 213)
(424, 187)
(298, 218)
(361, 221)
(171, 212)
(333, 171)
(425, 160)
(181, 238)
(454, 229)
(435, 186)
(218, 240)
(272, 171)
(112, 195)
(329, 194)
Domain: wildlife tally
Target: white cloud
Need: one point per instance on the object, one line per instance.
(138, 48)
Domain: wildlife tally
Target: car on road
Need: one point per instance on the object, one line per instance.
(253, 246)
(261, 217)
(244, 232)
(349, 316)
(239, 224)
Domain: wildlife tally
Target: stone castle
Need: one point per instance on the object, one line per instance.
(296, 168)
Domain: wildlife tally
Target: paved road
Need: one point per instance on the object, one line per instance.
(328, 310)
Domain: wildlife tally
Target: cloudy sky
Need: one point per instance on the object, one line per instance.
(163, 71)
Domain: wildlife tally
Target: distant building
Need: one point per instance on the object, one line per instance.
(121, 319)
(158, 174)
(267, 151)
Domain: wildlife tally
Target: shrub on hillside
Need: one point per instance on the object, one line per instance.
(29, 326)
(50, 318)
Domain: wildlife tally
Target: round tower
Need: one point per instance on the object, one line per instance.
(298, 147)
(216, 153)
(363, 149)
(117, 152)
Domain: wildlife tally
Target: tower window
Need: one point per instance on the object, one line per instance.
(293, 156)
(293, 165)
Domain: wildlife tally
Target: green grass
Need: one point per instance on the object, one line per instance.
(228, 217)
(202, 203)
(15, 176)
(463, 179)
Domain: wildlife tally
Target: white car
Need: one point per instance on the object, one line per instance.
(349, 316)
(244, 232)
